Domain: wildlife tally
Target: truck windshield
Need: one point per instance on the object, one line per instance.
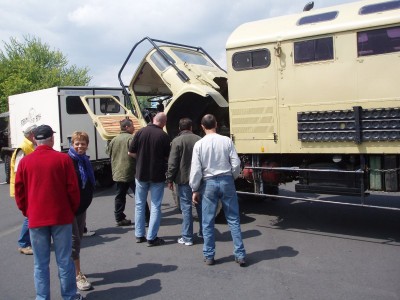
(192, 58)
(160, 61)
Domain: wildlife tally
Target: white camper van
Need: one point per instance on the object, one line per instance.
(62, 108)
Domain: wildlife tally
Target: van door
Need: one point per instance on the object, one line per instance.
(74, 117)
(105, 107)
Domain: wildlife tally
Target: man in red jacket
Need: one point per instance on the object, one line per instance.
(47, 192)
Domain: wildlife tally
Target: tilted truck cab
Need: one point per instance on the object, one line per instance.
(183, 81)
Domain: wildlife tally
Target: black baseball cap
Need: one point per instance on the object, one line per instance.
(43, 132)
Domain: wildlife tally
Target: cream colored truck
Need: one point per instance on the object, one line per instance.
(319, 90)
(313, 97)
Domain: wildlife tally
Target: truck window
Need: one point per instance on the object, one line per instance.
(109, 106)
(313, 50)
(159, 60)
(378, 41)
(192, 58)
(328, 16)
(379, 7)
(75, 106)
(254, 59)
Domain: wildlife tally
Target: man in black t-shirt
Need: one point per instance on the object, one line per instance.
(150, 147)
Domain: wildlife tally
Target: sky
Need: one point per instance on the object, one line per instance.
(99, 34)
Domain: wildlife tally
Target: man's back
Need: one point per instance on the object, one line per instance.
(151, 145)
(123, 166)
(180, 158)
(213, 155)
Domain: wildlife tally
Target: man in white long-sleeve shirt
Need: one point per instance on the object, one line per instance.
(215, 166)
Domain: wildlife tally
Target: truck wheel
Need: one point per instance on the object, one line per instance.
(7, 167)
(104, 177)
(271, 190)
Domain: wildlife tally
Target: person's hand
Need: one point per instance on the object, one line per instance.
(171, 186)
(196, 198)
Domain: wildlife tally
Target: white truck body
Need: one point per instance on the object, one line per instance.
(62, 109)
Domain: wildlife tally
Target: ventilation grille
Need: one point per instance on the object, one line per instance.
(357, 125)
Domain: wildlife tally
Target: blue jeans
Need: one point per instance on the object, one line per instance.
(214, 189)
(185, 197)
(24, 239)
(156, 194)
(62, 243)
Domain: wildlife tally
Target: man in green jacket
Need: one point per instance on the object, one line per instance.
(123, 169)
(178, 171)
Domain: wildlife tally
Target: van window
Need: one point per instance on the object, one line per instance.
(379, 7)
(378, 41)
(313, 50)
(108, 105)
(254, 59)
(159, 60)
(75, 106)
(192, 58)
(328, 16)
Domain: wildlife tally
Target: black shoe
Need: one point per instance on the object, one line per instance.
(141, 239)
(156, 242)
(209, 261)
(241, 261)
(124, 222)
(89, 233)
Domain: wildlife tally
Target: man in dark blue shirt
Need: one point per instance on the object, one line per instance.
(150, 147)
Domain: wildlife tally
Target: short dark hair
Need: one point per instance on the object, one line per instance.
(125, 123)
(209, 121)
(185, 124)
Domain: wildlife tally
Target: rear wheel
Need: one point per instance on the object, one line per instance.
(7, 167)
(104, 177)
(271, 190)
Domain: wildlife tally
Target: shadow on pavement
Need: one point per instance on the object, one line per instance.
(101, 236)
(142, 271)
(149, 287)
(262, 255)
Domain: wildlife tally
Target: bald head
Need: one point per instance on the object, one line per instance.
(160, 119)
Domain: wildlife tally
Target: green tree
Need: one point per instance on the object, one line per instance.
(31, 65)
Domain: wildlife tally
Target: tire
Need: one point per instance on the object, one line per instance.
(7, 167)
(271, 190)
(104, 177)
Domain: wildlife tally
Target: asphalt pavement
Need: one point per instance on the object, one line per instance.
(295, 250)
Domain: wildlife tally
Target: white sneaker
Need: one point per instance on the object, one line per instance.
(183, 242)
(82, 283)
